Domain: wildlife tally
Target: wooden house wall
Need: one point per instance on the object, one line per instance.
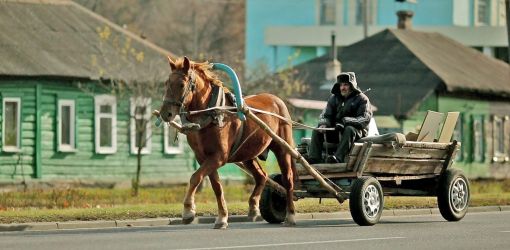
(19, 165)
(84, 163)
(481, 110)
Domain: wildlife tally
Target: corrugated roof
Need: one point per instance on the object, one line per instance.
(403, 67)
(64, 39)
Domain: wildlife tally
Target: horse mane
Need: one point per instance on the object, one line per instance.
(204, 69)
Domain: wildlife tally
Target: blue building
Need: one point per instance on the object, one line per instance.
(279, 30)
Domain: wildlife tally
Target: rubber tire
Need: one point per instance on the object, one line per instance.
(446, 181)
(273, 207)
(356, 201)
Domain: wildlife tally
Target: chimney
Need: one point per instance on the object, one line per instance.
(405, 19)
(333, 67)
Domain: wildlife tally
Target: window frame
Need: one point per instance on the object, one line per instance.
(102, 100)
(478, 141)
(322, 5)
(72, 124)
(488, 13)
(458, 134)
(11, 148)
(134, 102)
(172, 150)
(499, 139)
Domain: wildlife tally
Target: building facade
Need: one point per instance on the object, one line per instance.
(281, 30)
(60, 118)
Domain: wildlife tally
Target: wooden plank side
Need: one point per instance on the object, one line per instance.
(323, 168)
(407, 167)
(379, 150)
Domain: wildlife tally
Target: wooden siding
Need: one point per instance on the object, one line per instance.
(19, 165)
(84, 163)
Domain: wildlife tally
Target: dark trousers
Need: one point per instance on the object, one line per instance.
(347, 137)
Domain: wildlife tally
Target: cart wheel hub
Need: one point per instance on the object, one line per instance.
(371, 201)
(458, 195)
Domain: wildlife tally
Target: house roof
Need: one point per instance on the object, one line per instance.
(56, 38)
(403, 67)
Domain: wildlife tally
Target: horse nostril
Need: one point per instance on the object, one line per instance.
(169, 114)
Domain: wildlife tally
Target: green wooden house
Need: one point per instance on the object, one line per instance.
(409, 72)
(59, 119)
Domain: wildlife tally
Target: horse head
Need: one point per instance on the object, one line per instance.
(179, 89)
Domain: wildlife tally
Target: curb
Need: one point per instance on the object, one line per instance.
(43, 226)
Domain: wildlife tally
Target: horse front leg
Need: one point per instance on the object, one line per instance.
(260, 180)
(189, 210)
(222, 219)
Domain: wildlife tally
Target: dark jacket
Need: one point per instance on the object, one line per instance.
(354, 110)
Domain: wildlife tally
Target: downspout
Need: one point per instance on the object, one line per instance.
(38, 125)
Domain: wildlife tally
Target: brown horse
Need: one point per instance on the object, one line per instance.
(188, 88)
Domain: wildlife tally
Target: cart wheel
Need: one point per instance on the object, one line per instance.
(366, 201)
(453, 195)
(273, 207)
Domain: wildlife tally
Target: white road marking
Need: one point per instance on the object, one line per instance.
(505, 232)
(295, 243)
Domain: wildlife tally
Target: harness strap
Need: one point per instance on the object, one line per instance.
(237, 141)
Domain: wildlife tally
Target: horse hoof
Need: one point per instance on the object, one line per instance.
(187, 220)
(289, 224)
(222, 225)
(253, 216)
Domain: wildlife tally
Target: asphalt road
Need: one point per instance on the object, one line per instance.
(490, 230)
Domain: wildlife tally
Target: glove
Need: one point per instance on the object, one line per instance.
(339, 126)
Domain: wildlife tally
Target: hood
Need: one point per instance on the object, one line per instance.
(352, 80)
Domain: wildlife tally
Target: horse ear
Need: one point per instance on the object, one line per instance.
(172, 64)
(186, 65)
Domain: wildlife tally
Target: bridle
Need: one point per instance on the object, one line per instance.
(190, 88)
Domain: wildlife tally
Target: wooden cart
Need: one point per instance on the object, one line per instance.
(376, 170)
(372, 170)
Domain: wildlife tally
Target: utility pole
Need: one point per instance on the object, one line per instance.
(365, 18)
(507, 4)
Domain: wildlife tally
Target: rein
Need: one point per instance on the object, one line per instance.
(227, 109)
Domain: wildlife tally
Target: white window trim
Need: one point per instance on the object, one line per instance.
(133, 103)
(72, 146)
(99, 101)
(499, 156)
(169, 149)
(16, 148)
(488, 12)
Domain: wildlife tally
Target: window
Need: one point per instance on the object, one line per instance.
(11, 124)
(483, 12)
(105, 124)
(173, 140)
(66, 126)
(499, 139)
(478, 143)
(370, 8)
(457, 135)
(140, 127)
(327, 12)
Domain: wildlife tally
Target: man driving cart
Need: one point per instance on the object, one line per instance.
(348, 111)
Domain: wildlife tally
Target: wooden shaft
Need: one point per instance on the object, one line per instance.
(279, 189)
(338, 195)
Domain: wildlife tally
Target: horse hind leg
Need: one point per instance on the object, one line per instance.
(260, 177)
(222, 219)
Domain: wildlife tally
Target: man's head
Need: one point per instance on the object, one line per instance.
(344, 84)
